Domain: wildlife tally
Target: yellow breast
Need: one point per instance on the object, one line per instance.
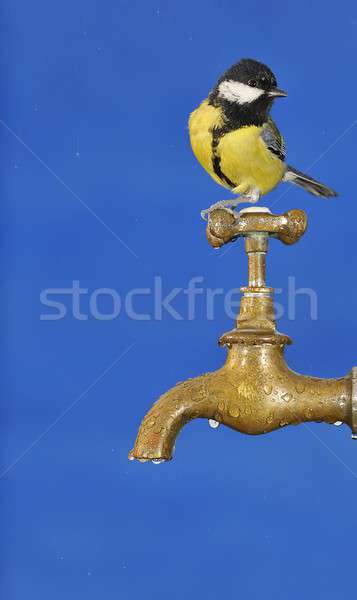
(247, 161)
(244, 158)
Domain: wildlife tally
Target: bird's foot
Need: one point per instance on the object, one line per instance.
(251, 198)
(227, 204)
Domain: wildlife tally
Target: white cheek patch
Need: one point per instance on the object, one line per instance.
(235, 91)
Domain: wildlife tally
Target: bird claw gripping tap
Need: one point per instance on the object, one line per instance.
(255, 391)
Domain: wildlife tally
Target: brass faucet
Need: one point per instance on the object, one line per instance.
(255, 391)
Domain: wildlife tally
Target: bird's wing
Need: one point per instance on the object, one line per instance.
(273, 139)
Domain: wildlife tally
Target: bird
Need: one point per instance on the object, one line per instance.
(237, 142)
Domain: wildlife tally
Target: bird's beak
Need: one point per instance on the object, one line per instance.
(277, 93)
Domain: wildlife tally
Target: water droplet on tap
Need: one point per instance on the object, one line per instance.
(338, 423)
(212, 423)
(158, 461)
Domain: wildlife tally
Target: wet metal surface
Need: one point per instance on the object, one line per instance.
(254, 392)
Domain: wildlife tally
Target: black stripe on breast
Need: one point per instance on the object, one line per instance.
(217, 134)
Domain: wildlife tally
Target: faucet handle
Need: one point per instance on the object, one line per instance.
(224, 226)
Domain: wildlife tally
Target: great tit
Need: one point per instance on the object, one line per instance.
(238, 143)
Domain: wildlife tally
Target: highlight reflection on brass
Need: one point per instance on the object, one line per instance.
(255, 391)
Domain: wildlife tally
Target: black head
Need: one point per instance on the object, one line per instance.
(247, 87)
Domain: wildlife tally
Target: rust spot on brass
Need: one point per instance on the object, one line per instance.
(254, 392)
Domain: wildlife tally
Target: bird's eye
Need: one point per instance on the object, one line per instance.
(252, 83)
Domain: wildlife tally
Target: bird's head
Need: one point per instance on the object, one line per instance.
(248, 84)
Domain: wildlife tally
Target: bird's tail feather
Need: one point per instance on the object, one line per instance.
(308, 183)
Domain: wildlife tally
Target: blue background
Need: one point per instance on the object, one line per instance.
(94, 106)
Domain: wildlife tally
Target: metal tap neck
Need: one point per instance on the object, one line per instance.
(256, 247)
(256, 318)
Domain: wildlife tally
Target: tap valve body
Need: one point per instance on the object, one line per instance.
(254, 392)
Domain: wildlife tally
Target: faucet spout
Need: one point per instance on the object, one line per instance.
(187, 400)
